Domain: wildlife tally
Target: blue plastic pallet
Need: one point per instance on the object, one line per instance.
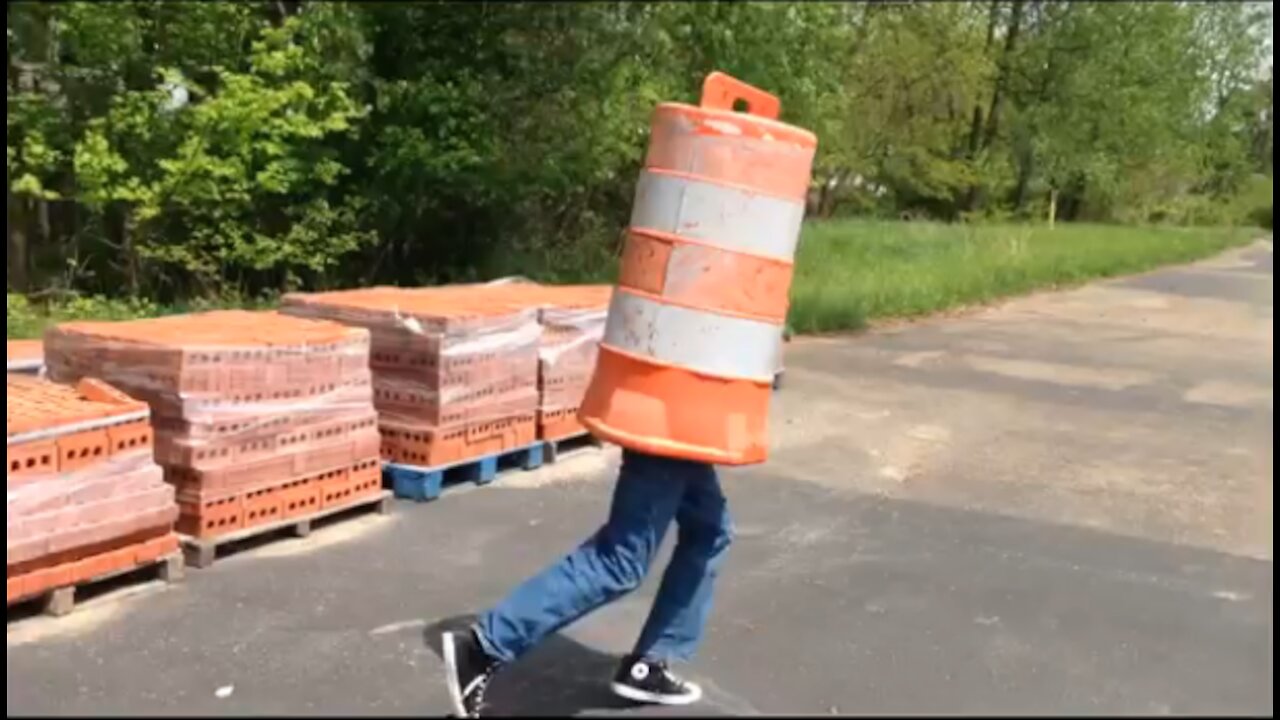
(412, 482)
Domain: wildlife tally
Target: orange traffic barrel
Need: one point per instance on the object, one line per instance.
(694, 333)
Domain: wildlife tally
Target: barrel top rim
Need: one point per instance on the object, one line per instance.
(790, 132)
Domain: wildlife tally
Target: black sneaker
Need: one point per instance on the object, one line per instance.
(647, 681)
(467, 672)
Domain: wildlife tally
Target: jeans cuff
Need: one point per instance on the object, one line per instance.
(487, 646)
(661, 654)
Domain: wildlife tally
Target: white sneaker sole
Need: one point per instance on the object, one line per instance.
(450, 652)
(640, 696)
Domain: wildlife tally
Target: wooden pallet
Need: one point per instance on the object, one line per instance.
(560, 448)
(411, 482)
(62, 600)
(201, 552)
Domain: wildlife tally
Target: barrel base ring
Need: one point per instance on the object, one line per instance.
(667, 448)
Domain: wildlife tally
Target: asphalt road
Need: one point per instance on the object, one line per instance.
(1058, 505)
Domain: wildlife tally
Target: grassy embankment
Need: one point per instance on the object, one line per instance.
(850, 272)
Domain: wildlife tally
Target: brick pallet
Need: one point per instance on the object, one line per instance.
(259, 418)
(454, 372)
(86, 499)
(424, 483)
(414, 482)
(202, 552)
(572, 318)
(56, 586)
(25, 356)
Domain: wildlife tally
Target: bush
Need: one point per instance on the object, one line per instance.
(29, 320)
(1254, 201)
(23, 322)
(1262, 217)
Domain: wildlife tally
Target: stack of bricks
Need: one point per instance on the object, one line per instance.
(454, 371)
(572, 319)
(25, 356)
(573, 322)
(86, 499)
(259, 417)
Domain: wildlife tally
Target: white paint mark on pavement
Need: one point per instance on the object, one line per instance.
(891, 472)
(1229, 394)
(396, 627)
(1106, 378)
(918, 359)
(930, 433)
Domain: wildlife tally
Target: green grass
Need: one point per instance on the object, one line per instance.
(849, 273)
(27, 320)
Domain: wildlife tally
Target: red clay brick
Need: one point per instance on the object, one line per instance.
(15, 589)
(38, 458)
(429, 446)
(559, 424)
(262, 507)
(129, 436)
(32, 582)
(82, 450)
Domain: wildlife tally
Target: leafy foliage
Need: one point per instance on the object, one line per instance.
(192, 150)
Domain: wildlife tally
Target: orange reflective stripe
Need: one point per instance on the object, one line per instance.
(702, 276)
(669, 411)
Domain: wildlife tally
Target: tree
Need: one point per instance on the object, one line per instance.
(183, 150)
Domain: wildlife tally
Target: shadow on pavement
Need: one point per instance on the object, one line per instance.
(560, 678)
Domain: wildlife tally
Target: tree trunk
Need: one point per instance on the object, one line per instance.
(1053, 206)
(1022, 184)
(19, 279)
(1002, 79)
(975, 127)
(972, 196)
(128, 250)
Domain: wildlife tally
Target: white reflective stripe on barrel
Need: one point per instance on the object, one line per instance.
(719, 345)
(726, 217)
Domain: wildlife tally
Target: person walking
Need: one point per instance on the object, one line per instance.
(690, 351)
(651, 492)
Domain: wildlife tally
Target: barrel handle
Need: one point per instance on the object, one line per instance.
(720, 92)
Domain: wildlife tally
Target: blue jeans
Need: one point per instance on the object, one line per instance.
(650, 492)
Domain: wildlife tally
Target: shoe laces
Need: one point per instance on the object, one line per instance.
(675, 679)
(482, 684)
(662, 668)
